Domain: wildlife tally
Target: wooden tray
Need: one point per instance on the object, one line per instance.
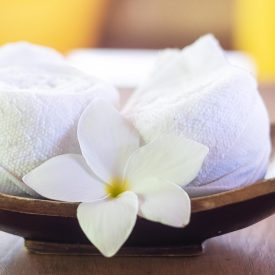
(52, 227)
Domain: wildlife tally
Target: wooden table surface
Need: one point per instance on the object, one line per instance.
(248, 251)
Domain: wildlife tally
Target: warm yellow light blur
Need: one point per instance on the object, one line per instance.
(62, 24)
(255, 33)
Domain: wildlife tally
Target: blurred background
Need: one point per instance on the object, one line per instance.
(243, 25)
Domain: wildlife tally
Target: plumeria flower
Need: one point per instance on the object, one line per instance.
(116, 180)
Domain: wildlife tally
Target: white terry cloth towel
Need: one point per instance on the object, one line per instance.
(196, 93)
(41, 100)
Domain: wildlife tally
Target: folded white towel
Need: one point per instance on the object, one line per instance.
(196, 93)
(41, 100)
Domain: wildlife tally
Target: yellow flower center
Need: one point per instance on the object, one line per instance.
(116, 187)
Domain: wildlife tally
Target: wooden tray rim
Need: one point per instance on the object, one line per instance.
(199, 204)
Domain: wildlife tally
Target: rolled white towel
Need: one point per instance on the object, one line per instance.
(41, 100)
(196, 93)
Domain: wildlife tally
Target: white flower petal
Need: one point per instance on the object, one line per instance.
(106, 139)
(169, 157)
(66, 178)
(108, 223)
(164, 202)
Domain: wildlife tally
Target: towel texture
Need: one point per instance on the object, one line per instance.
(196, 93)
(41, 100)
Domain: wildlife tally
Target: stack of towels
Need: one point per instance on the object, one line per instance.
(194, 92)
